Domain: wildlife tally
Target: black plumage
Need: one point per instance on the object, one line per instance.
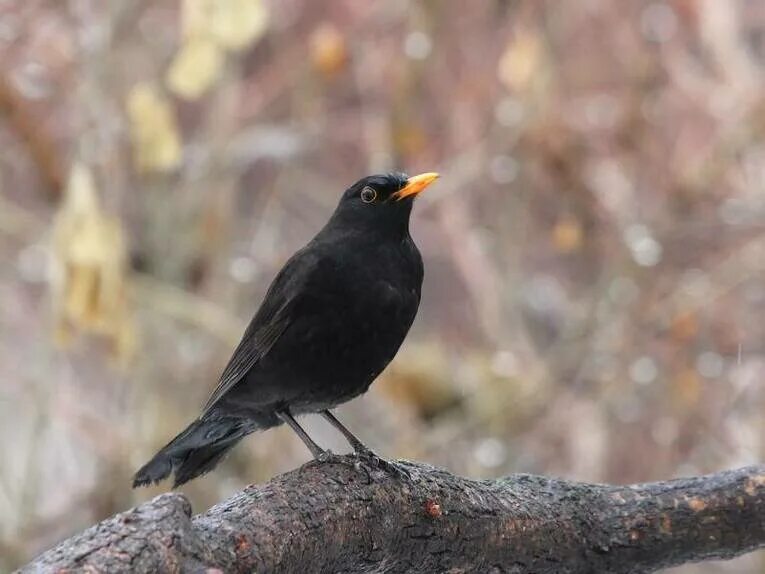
(331, 321)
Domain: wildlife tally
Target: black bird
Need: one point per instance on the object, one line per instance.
(331, 321)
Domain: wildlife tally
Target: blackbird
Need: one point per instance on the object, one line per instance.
(331, 321)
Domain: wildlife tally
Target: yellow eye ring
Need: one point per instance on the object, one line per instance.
(368, 194)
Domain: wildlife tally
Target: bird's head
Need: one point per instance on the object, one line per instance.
(381, 202)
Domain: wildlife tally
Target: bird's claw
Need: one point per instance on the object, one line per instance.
(396, 470)
(392, 468)
(325, 456)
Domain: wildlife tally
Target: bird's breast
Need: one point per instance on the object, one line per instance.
(351, 321)
(361, 314)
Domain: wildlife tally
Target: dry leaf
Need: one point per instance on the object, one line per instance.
(520, 62)
(238, 23)
(153, 130)
(684, 326)
(231, 24)
(568, 234)
(686, 389)
(209, 28)
(409, 138)
(195, 68)
(328, 50)
(88, 284)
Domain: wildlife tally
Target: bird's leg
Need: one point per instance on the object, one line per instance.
(358, 446)
(363, 451)
(317, 452)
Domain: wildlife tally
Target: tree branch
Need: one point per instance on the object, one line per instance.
(337, 517)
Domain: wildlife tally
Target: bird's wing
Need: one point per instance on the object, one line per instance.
(269, 323)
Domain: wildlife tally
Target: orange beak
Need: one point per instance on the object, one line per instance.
(415, 185)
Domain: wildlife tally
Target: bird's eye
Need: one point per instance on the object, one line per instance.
(368, 195)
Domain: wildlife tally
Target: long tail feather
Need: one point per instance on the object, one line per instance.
(195, 451)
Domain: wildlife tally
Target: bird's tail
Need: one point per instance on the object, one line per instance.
(195, 451)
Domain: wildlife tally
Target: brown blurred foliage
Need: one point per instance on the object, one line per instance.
(595, 248)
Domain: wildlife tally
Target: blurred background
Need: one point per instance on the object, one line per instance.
(595, 249)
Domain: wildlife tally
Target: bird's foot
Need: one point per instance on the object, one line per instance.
(325, 456)
(394, 469)
(329, 457)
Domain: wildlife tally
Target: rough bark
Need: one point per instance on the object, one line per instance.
(337, 517)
